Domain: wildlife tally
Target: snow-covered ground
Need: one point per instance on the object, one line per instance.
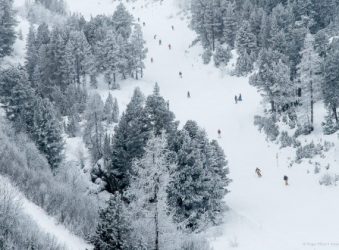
(264, 213)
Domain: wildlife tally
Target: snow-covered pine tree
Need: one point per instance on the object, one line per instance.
(198, 183)
(138, 51)
(129, 140)
(115, 113)
(330, 85)
(79, 56)
(108, 109)
(230, 24)
(246, 40)
(158, 116)
(152, 223)
(46, 132)
(309, 80)
(94, 131)
(273, 80)
(7, 32)
(31, 53)
(108, 56)
(114, 228)
(122, 21)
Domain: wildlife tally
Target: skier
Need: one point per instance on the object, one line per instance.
(144, 24)
(169, 46)
(151, 59)
(258, 172)
(188, 94)
(172, 27)
(155, 37)
(239, 98)
(219, 133)
(286, 180)
(236, 99)
(138, 19)
(180, 74)
(159, 42)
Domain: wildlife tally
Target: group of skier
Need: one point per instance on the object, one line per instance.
(237, 98)
(258, 172)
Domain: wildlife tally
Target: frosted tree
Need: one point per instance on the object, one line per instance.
(122, 21)
(310, 79)
(94, 132)
(79, 56)
(115, 112)
(273, 80)
(152, 222)
(199, 181)
(47, 132)
(7, 32)
(114, 228)
(138, 52)
(108, 109)
(157, 115)
(108, 58)
(246, 40)
(129, 140)
(31, 53)
(230, 24)
(330, 85)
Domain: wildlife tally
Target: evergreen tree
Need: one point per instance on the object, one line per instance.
(230, 24)
(47, 132)
(122, 21)
(115, 113)
(108, 109)
(152, 222)
(94, 131)
(129, 140)
(138, 51)
(158, 116)
(309, 72)
(31, 53)
(114, 228)
(198, 183)
(330, 85)
(7, 32)
(246, 40)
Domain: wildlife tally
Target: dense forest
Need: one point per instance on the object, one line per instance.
(288, 47)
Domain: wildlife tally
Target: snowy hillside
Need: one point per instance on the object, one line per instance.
(263, 213)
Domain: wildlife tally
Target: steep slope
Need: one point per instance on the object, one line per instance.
(264, 214)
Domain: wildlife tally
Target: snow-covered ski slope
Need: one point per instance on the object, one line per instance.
(264, 213)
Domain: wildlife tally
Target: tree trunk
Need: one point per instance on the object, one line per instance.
(312, 102)
(272, 106)
(156, 219)
(334, 109)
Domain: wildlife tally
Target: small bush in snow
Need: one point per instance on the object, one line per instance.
(268, 125)
(308, 151)
(329, 125)
(327, 180)
(222, 56)
(206, 56)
